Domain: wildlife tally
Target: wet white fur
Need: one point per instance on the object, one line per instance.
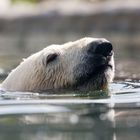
(34, 75)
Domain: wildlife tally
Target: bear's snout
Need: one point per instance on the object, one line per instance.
(101, 48)
(100, 54)
(104, 49)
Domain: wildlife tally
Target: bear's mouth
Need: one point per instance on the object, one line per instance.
(94, 77)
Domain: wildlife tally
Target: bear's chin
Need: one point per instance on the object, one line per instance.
(98, 80)
(94, 84)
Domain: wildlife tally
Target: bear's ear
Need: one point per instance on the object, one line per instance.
(51, 57)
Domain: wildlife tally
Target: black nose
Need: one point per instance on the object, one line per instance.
(104, 48)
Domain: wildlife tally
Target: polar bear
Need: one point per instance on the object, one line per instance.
(85, 64)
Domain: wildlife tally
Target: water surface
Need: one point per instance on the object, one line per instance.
(72, 115)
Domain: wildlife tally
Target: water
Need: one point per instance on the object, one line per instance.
(72, 115)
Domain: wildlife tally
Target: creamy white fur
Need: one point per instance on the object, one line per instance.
(33, 75)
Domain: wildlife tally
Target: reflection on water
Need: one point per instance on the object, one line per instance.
(69, 116)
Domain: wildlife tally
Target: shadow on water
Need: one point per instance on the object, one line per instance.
(72, 115)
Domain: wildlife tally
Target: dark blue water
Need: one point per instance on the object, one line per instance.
(72, 115)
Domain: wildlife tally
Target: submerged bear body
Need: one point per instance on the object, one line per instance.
(85, 64)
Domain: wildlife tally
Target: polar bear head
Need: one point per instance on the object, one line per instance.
(84, 64)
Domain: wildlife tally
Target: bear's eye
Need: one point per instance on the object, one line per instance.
(51, 57)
